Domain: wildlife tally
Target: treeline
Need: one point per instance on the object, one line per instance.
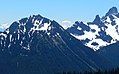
(113, 71)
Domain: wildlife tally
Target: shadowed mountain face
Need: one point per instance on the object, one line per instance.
(111, 52)
(99, 33)
(37, 45)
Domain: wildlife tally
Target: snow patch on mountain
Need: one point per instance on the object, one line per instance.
(41, 27)
(112, 30)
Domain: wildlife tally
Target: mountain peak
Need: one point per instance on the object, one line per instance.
(104, 30)
(112, 10)
(97, 19)
(33, 23)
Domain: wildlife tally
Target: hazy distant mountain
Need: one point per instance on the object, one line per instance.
(3, 27)
(66, 24)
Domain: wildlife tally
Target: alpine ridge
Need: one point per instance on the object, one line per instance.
(99, 33)
(37, 45)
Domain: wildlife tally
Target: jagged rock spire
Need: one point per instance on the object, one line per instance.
(112, 10)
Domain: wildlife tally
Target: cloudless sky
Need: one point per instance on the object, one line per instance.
(59, 10)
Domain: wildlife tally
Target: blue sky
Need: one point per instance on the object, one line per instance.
(59, 10)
